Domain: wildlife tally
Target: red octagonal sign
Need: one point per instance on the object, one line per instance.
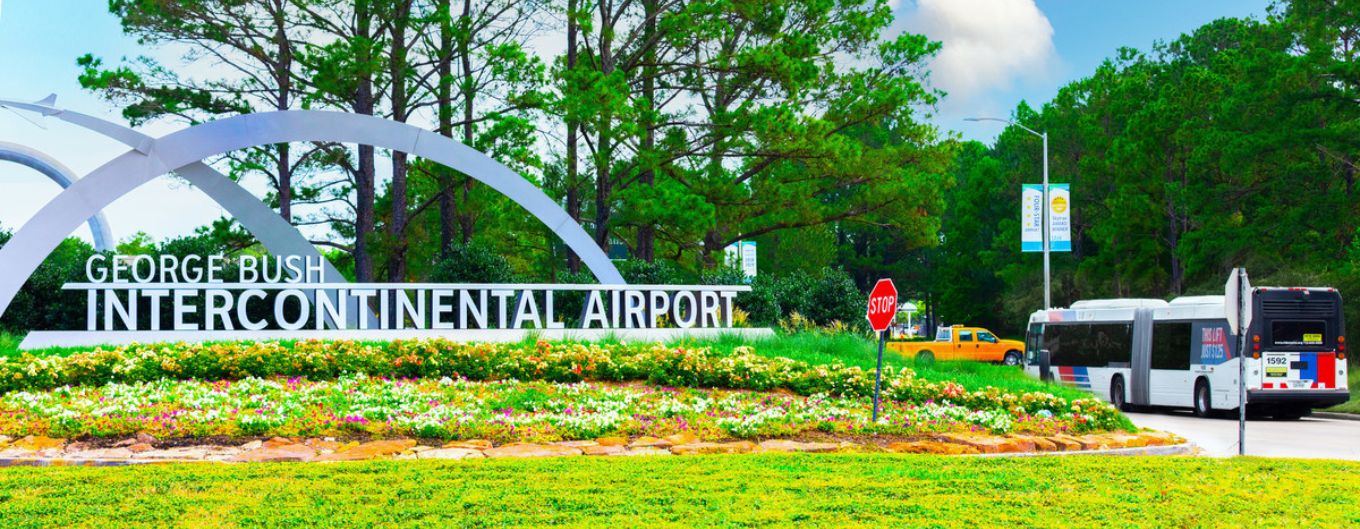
(882, 305)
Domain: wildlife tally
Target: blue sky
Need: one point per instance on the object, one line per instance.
(997, 53)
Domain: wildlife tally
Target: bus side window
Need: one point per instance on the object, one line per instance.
(1090, 345)
(1171, 345)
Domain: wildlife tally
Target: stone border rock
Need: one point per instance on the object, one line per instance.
(46, 451)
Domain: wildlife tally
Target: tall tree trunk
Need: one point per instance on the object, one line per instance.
(646, 234)
(1174, 230)
(396, 227)
(364, 104)
(468, 86)
(604, 154)
(713, 239)
(284, 79)
(447, 209)
(573, 175)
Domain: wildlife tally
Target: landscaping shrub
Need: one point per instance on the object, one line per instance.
(472, 263)
(41, 303)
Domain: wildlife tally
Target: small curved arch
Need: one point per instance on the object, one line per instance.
(21, 256)
(64, 177)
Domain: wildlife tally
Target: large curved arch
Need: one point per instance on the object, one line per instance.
(116, 178)
(64, 177)
(274, 232)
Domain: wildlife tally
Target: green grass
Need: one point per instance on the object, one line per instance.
(9, 344)
(697, 491)
(859, 351)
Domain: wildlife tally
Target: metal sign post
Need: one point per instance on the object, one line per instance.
(1242, 364)
(1237, 299)
(878, 373)
(882, 310)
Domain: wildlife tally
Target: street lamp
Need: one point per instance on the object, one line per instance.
(1044, 135)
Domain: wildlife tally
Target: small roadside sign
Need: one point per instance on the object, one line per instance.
(882, 310)
(1235, 293)
(882, 305)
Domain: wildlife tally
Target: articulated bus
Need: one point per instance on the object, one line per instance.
(1182, 354)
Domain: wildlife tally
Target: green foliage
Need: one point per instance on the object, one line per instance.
(472, 263)
(41, 303)
(9, 343)
(638, 272)
(825, 296)
(1353, 405)
(1229, 146)
(768, 490)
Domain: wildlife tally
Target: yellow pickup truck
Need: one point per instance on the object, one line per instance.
(963, 343)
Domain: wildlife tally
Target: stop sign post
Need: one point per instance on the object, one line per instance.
(882, 310)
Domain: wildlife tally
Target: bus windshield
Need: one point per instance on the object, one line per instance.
(1298, 332)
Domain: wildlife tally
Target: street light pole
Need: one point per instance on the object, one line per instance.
(1048, 302)
(1048, 299)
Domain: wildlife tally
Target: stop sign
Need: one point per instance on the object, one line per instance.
(882, 305)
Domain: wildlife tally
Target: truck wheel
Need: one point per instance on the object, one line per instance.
(1117, 394)
(1012, 358)
(925, 358)
(1203, 400)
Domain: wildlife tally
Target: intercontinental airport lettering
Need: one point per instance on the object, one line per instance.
(289, 293)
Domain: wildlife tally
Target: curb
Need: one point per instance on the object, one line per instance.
(9, 462)
(1172, 450)
(1336, 415)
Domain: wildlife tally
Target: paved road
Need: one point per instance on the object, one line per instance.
(1310, 437)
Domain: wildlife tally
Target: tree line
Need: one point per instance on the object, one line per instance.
(669, 129)
(672, 128)
(1234, 145)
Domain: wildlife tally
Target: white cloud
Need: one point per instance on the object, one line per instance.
(987, 44)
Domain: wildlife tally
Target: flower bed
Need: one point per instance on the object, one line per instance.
(503, 411)
(542, 361)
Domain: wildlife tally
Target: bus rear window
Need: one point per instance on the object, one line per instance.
(1298, 332)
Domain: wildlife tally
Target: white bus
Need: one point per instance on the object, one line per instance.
(1182, 354)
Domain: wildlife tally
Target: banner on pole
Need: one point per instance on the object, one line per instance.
(1031, 220)
(742, 256)
(1059, 218)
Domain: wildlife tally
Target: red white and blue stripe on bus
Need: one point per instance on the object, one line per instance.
(1320, 368)
(1076, 376)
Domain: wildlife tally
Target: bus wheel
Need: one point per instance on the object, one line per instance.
(925, 358)
(1012, 358)
(1117, 393)
(1203, 403)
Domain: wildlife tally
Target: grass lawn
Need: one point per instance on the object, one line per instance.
(697, 491)
(860, 351)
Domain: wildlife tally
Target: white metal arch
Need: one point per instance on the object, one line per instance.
(26, 250)
(64, 177)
